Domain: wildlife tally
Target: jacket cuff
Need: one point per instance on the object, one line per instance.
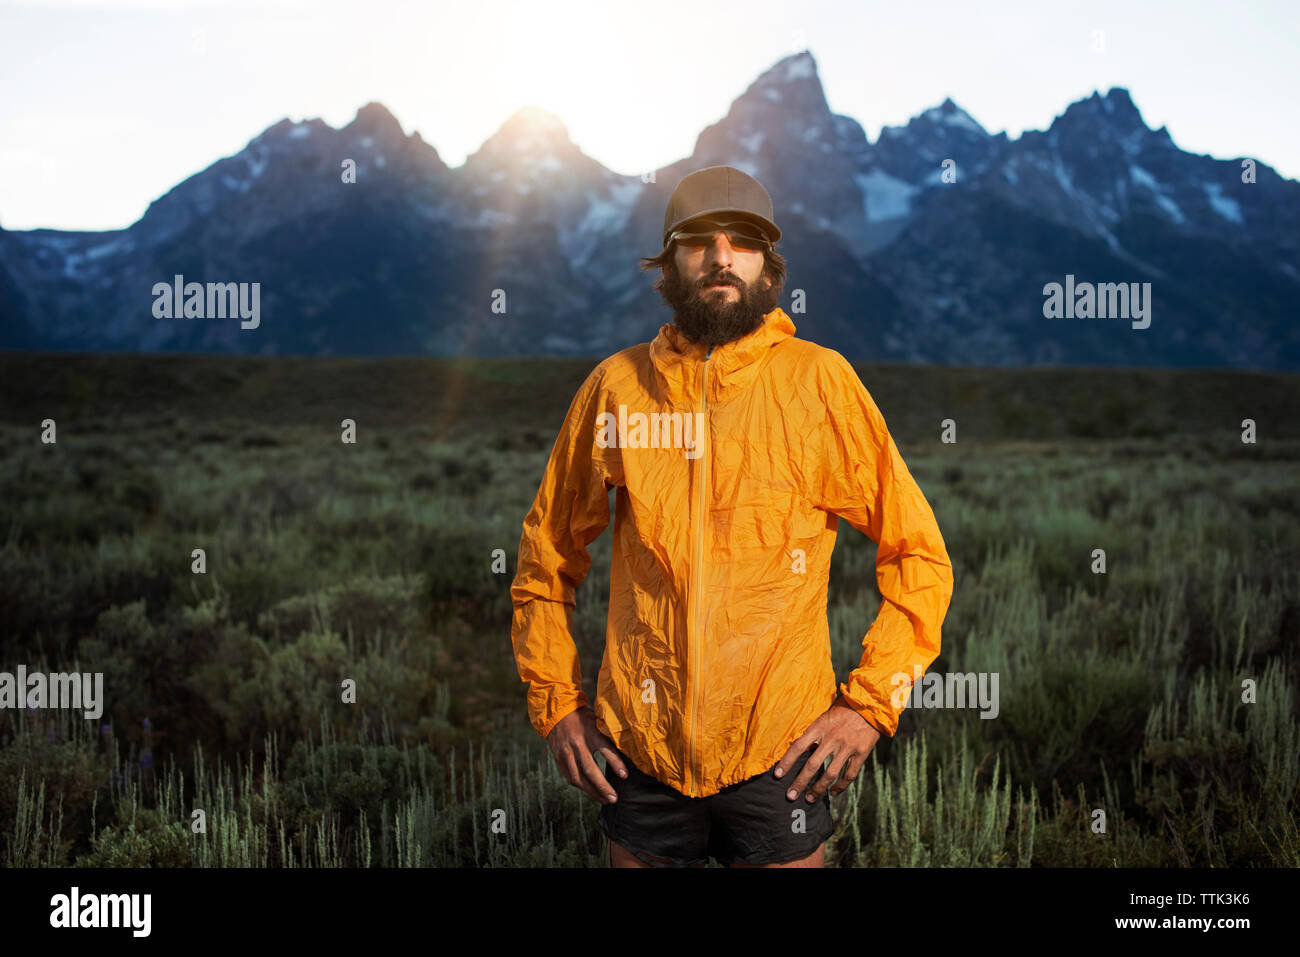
(559, 707)
(870, 712)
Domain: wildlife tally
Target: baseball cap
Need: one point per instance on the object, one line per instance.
(720, 189)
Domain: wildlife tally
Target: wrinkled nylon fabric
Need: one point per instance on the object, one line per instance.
(717, 647)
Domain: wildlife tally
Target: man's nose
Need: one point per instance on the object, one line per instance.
(720, 251)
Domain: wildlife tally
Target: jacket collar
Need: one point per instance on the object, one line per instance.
(731, 367)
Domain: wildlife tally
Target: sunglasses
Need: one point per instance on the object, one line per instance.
(741, 234)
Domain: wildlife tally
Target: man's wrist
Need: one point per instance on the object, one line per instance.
(568, 712)
(844, 703)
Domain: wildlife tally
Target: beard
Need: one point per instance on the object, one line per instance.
(705, 317)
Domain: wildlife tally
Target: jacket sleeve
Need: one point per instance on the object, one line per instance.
(570, 511)
(866, 482)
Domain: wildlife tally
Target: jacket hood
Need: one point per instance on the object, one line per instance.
(731, 367)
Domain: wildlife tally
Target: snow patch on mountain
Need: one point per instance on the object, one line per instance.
(1170, 207)
(1144, 178)
(112, 248)
(799, 66)
(884, 196)
(607, 216)
(256, 163)
(1062, 177)
(950, 114)
(1226, 207)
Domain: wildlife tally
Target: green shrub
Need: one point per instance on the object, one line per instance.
(147, 840)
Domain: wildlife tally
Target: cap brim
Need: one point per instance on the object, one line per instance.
(769, 227)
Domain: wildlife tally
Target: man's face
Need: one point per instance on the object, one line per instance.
(718, 292)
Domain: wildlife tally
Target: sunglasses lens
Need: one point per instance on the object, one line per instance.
(740, 234)
(744, 236)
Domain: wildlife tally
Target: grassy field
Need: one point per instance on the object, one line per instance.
(1120, 692)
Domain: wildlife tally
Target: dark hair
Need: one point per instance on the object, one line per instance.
(773, 266)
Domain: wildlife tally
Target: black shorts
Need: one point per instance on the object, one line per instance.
(750, 822)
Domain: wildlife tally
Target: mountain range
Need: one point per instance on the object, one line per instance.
(935, 243)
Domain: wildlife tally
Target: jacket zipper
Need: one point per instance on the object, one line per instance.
(691, 767)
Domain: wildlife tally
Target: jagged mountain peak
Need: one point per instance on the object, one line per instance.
(795, 68)
(535, 118)
(288, 129)
(375, 119)
(275, 129)
(951, 114)
(782, 115)
(792, 80)
(1118, 97)
(937, 121)
(1116, 110)
(530, 132)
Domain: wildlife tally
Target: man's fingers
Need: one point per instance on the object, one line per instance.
(568, 767)
(850, 775)
(829, 777)
(797, 747)
(810, 770)
(613, 760)
(598, 743)
(600, 787)
(571, 765)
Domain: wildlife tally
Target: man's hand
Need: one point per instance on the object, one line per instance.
(841, 732)
(572, 741)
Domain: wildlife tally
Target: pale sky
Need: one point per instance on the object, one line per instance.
(107, 105)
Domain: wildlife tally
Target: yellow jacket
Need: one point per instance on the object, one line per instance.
(717, 650)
